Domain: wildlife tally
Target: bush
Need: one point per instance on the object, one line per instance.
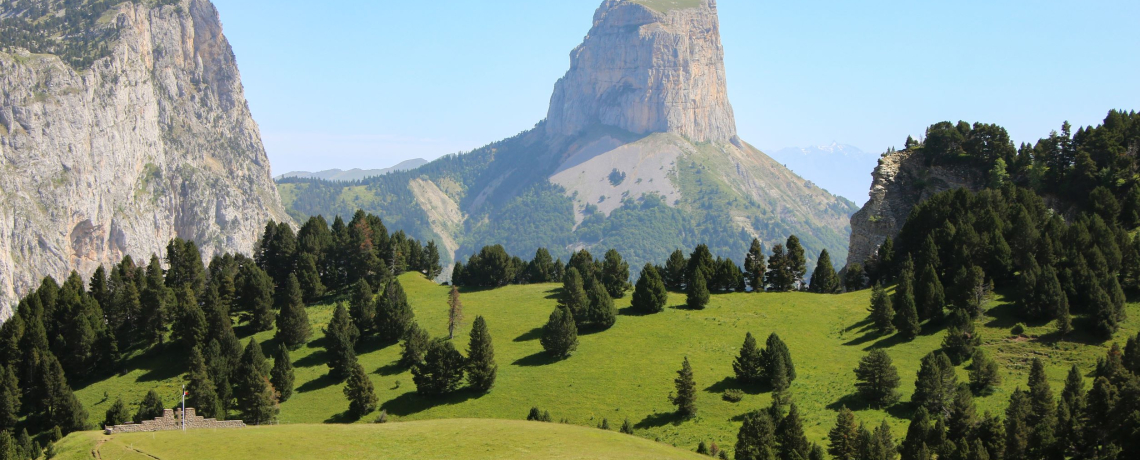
(382, 418)
(733, 395)
(1018, 329)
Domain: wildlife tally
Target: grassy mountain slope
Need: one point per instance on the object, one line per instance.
(627, 371)
(438, 439)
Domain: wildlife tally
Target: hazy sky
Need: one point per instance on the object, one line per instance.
(355, 83)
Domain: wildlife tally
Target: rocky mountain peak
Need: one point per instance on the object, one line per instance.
(648, 66)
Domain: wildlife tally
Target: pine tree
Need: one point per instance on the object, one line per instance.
(293, 322)
(649, 296)
(573, 295)
(906, 317)
(698, 293)
(441, 371)
(1017, 428)
(674, 272)
(755, 266)
(360, 392)
(790, 436)
(413, 346)
(153, 302)
(916, 435)
(756, 439)
(150, 407)
(454, 311)
(797, 263)
(560, 334)
(1042, 415)
(394, 315)
(309, 277)
(779, 277)
(685, 397)
(201, 392)
(984, 376)
(961, 337)
(281, 375)
(886, 261)
(9, 399)
(601, 313)
(823, 279)
(929, 295)
(362, 307)
(855, 279)
(481, 367)
(844, 437)
(258, 296)
(615, 274)
(936, 384)
(877, 379)
(882, 311)
(256, 398)
(776, 350)
(883, 443)
(749, 366)
(963, 417)
(340, 338)
(116, 415)
(9, 449)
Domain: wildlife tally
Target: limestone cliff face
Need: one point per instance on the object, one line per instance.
(901, 181)
(154, 141)
(647, 71)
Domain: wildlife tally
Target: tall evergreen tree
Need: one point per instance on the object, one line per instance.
(257, 295)
(441, 370)
(877, 379)
(916, 435)
(749, 366)
(775, 350)
(1042, 415)
(697, 296)
(150, 408)
(573, 295)
(906, 316)
(855, 279)
(929, 295)
(62, 408)
(340, 338)
(756, 439)
(154, 302)
(779, 277)
(281, 375)
(685, 397)
(309, 277)
(256, 398)
(844, 437)
(755, 266)
(961, 337)
(481, 367)
(649, 296)
(936, 385)
(674, 271)
(116, 415)
(413, 346)
(201, 391)
(1017, 428)
(615, 274)
(560, 334)
(797, 263)
(882, 310)
(700, 263)
(362, 306)
(293, 328)
(823, 279)
(393, 313)
(360, 392)
(790, 436)
(602, 314)
(984, 375)
(883, 443)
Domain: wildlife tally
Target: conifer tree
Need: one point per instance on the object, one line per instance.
(201, 392)
(779, 277)
(154, 304)
(823, 279)
(885, 264)
(883, 443)
(441, 370)
(790, 436)
(560, 334)
(961, 337)
(755, 266)
(936, 385)
(615, 274)
(150, 407)
(257, 295)
(481, 367)
(454, 311)
(963, 418)
(9, 398)
(877, 379)
(1042, 415)
(882, 310)
(749, 366)
(602, 314)
(756, 439)
(697, 296)
(394, 315)
(256, 398)
(340, 338)
(776, 350)
(984, 375)
(1017, 428)
(916, 435)
(413, 346)
(674, 271)
(360, 392)
(293, 323)
(797, 263)
(906, 316)
(701, 263)
(855, 279)
(281, 375)
(573, 295)
(685, 397)
(649, 296)
(362, 307)
(844, 437)
(929, 295)
(9, 449)
(309, 277)
(969, 290)
(116, 415)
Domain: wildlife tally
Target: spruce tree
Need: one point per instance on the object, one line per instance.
(877, 379)
(984, 375)
(560, 334)
(916, 435)
(340, 338)
(481, 367)
(685, 397)
(413, 346)
(936, 384)
(886, 260)
(674, 271)
(906, 316)
(697, 296)
(150, 407)
(293, 328)
(963, 418)
(776, 350)
(281, 375)
(116, 414)
(601, 314)
(797, 263)
(309, 277)
(779, 277)
(855, 278)
(190, 326)
(441, 370)
(360, 392)
(823, 279)
(256, 398)
(749, 366)
(573, 295)
(790, 436)
(258, 295)
(201, 392)
(615, 274)
(756, 439)
(362, 306)
(961, 337)
(649, 296)
(1042, 415)
(882, 310)
(929, 295)
(394, 315)
(1017, 428)
(755, 266)
(844, 437)
(9, 399)
(153, 301)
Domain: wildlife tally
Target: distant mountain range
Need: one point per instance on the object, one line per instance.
(843, 170)
(341, 175)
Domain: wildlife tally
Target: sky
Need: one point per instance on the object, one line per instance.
(356, 83)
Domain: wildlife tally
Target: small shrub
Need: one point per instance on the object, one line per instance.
(616, 177)
(1018, 329)
(626, 427)
(733, 395)
(536, 415)
(383, 418)
(605, 425)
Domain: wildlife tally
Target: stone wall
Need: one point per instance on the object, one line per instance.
(170, 421)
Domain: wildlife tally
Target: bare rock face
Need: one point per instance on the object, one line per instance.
(900, 182)
(154, 141)
(647, 71)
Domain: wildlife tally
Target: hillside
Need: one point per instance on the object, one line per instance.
(122, 126)
(355, 174)
(639, 152)
(439, 439)
(627, 372)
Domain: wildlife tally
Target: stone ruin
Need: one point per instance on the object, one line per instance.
(170, 421)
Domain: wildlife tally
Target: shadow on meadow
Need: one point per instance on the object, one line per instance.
(660, 419)
(541, 358)
(412, 403)
(390, 369)
(533, 334)
(318, 383)
(731, 383)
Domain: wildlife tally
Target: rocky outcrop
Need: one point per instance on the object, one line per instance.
(154, 141)
(647, 71)
(901, 181)
(171, 420)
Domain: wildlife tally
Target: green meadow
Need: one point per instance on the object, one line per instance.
(627, 371)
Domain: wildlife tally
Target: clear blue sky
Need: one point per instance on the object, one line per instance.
(354, 83)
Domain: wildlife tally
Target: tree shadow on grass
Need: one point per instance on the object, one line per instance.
(342, 418)
(314, 359)
(1081, 334)
(372, 344)
(553, 294)
(412, 403)
(904, 411)
(866, 337)
(323, 381)
(731, 383)
(887, 342)
(1003, 316)
(541, 358)
(851, 401)
(158, 366)
(659, 420)
(862, 326)
(533, 334)
(393, 368)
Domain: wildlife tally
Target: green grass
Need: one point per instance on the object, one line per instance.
(627, 372)
(664, 6)
(441, 439)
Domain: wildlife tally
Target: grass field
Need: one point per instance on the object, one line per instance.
(627, 372)
(438, 439)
